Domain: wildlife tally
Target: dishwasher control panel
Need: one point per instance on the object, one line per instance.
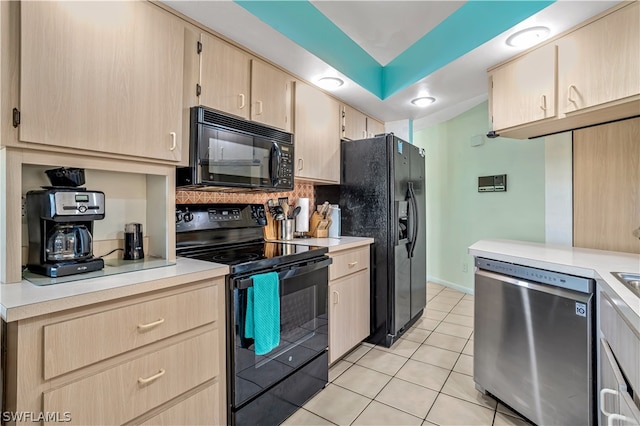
(569, 282)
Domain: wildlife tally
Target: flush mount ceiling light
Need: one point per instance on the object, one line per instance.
(423, 101)
(528, 37)
(330, 82)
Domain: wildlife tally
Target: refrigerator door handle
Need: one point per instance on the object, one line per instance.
(414, 219)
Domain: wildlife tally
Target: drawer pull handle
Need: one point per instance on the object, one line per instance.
(173, 141)
(336, 297)
(142, 327)
(603, 394)
(241, 101)
(613, 417)
(144, 381)
(543, 102)
(352, 264)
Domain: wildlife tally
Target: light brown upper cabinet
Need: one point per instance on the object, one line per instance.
(523, 90)
(354, 123)
(600, 62)
(594, 78)
(374, 127)
(225, 77)
(317, 135)
(233, 81)
(104, 77)
(606, 186)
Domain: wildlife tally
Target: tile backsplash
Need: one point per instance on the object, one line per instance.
(300, 190)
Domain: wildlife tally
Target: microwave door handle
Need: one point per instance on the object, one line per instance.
(274, 166)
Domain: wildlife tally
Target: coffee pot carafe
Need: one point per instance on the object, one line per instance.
(69, 242)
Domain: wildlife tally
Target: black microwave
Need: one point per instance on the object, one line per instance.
(227, 151)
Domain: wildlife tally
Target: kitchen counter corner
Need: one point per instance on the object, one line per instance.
(23, 299)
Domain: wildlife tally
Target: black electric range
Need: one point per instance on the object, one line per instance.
(267, 386)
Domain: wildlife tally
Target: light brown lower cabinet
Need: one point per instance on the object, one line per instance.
(156, 358)
(349, 300)
(618, 368)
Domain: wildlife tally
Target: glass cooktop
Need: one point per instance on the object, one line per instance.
(254, 256)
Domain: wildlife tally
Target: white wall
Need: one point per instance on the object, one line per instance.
(400, 128)
(558, 182)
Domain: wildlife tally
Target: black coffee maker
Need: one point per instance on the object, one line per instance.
(60, 222)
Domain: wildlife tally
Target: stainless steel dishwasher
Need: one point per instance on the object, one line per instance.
(533, 341)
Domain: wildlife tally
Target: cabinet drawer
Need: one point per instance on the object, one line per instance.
(348, 262)
(78, 342)
(128, 390)
(624, 343)
(202, 408)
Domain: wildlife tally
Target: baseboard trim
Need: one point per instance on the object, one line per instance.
(449, 284)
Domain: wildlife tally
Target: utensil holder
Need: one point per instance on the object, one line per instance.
(287, 227)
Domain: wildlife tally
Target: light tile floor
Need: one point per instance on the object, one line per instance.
(425, 378)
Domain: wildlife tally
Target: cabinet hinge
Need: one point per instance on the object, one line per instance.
(198, 90)
(16, 117)
(199, 47)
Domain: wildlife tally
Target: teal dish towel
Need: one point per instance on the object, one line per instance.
(262, 322)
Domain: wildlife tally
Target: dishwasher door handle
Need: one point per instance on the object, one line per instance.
(549, 289)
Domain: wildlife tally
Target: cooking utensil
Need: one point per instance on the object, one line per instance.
(295, 212)
(285, 208)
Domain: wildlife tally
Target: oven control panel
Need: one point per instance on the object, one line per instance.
(196, 217)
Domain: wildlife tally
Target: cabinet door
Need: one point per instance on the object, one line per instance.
(354, 124)
(606, 172)
(102, 76)
(348, 313)
(225, 76)
(599, 63)
(523, 91)
(374, 127)
(317, 140)
(270, 95)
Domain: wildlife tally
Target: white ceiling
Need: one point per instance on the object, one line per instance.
(384, 29)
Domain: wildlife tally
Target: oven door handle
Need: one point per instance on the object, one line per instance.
(247, 282)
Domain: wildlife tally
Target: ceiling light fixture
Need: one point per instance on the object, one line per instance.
(330, 82)
(528, 37)
(423, 101)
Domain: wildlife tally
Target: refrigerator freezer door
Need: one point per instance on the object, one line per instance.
(419, 255)
(401, 172)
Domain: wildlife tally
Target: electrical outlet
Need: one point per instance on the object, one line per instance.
(465, 268)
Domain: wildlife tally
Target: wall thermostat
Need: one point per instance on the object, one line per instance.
(495, 183)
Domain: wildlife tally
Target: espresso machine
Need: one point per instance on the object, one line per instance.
(60, 224)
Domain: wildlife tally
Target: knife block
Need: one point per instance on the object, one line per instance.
(318, 227)
(271, 229)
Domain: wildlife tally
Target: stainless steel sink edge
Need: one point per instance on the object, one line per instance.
(630, 280)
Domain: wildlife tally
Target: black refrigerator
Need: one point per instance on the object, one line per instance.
(382, 196)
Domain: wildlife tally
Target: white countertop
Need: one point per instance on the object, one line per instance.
(24, 300)
(589, 263)
(333, 244)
